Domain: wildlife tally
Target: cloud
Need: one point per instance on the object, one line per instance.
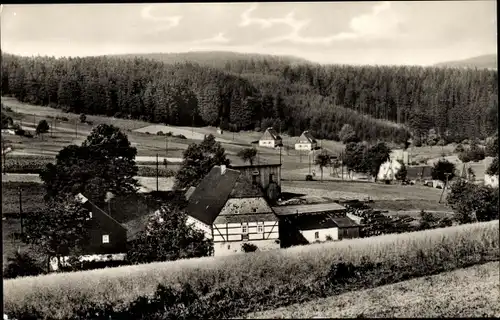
(380, 23)
(216, 39)
(170, 21)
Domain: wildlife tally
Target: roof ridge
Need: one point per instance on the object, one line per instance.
(105, 213)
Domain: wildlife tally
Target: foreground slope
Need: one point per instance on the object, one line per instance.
(469, 292)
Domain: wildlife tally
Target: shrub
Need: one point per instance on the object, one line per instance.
(249, 247)
(227, 287)
(147, 132)
(62, 118)
(21, 265)
(19, 132)
(28, 134)
(180, 136)
(459, 148)
(83, 118)
(160, 133)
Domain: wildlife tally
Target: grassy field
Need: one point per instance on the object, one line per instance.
(469, 292)
(31, 196)
(264, 280)
(358, 190)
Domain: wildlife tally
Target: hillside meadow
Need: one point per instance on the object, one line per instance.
(235, 285)
(469, 292)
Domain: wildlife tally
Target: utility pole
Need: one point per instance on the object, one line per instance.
(76, 128)
(166, 151)
(21, 210)
(342, 164)
(157, 172)
(445, 185)
(34, 120)
(280, 152)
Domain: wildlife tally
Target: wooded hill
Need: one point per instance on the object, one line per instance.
(257, 92)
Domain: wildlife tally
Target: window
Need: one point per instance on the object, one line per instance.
(316, 235)
(254, 209)
(244, 228)
(105, 238)
(260, 227)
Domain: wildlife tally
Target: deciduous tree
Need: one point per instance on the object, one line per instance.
(168, 237)
(198, 161)
(248, 154)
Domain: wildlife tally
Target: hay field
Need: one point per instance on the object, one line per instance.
(359, 190)
(281, 277)
(469, 292)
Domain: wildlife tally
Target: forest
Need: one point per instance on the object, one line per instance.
(379, 102)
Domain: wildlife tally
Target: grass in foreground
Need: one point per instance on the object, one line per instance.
(469, 292)
(237, 285)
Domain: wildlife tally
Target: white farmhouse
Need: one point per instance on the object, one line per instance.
(270, 139)
(306, 142)
(231, 209)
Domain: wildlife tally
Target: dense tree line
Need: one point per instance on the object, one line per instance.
(247, 93)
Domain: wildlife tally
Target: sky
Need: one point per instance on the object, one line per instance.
(375, 32)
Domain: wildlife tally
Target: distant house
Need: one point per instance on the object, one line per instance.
(401, 155)
(270, 139)
(231, 209)
(307, 223)
(388, 170)
(306, 142)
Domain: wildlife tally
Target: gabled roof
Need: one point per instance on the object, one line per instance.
(89, 205)
(210, 196)
(344, 222)
(270, 134)
(307, 136)
(314, 222)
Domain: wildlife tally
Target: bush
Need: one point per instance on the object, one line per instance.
(459, 148)
(180, 136)
(19, 132)
(249, 247)
(83, 118)
(21, 265)
(309, 177)
(62, 118)
(160, 133)
(147, 132)
(229, 287)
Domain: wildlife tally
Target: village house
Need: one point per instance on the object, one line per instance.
(306, 142)
(270, 139)
(231, 209)
(308, 223)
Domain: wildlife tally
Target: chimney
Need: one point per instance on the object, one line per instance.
(222, 169)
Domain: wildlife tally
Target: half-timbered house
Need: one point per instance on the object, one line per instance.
(232, 210)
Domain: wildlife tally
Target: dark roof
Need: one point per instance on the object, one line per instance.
(134, 227)
(312, 222)
(344, 222)
(414, 172)
(92, 207)
(270, 133)
(307, 136)
(307, 208)
(213, 191)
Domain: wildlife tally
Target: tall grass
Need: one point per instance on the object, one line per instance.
(262, 280)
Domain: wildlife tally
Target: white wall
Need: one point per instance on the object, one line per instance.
(233, 231)
(303, 146)
(388, 170)
(228, 248)
(267, 143)
(310, 234)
